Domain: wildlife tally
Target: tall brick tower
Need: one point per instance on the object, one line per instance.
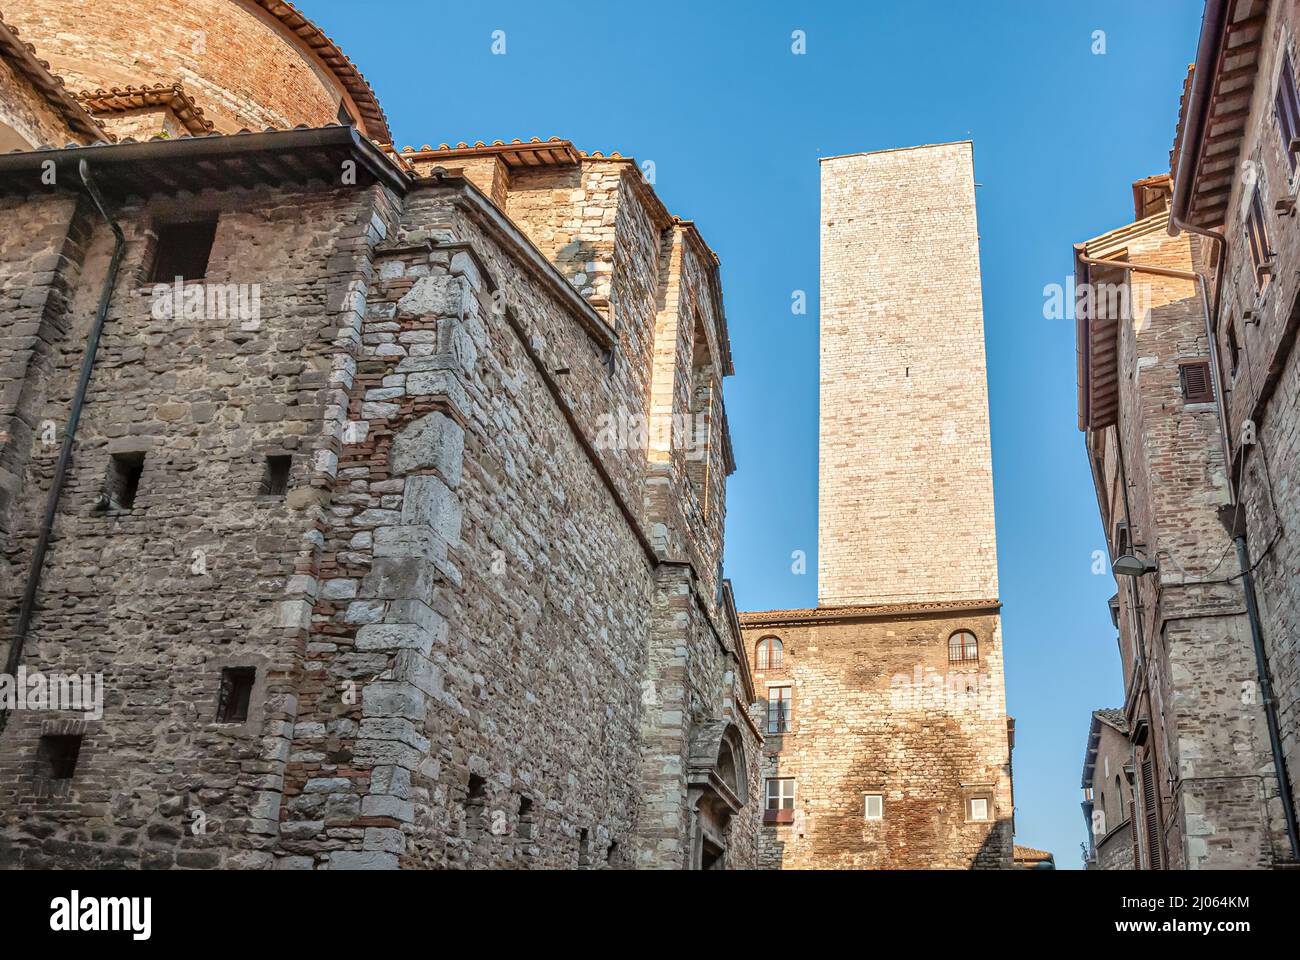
(884, 710)
(906, 475)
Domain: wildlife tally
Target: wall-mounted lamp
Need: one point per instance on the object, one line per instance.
(1131, 565)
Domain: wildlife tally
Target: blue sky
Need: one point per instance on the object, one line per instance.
(735, 124)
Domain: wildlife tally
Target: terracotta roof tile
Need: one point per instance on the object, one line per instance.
(37, 72)
(171, 95)
(376, 123)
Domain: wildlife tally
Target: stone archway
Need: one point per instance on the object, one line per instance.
(718, 785)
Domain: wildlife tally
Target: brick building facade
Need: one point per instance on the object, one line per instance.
(888, 743)
(1192, 439)
(394, 526)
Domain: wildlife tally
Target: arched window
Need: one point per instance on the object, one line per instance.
(962, 646)
(768, 653)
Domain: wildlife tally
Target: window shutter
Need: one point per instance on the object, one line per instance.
(1151, 814)
(1198, 387)
(1133, 833)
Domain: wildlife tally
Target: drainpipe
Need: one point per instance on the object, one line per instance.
(1239, 539)
(69, 434)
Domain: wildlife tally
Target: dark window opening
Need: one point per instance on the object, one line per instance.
(1196, 382)
(524, 828)
(56, 756)
(475, 806)
(1234, 347)
(613, 856)
(236, 694)
(183, 250)
(584, 848)
(275, 483)
(123, 481)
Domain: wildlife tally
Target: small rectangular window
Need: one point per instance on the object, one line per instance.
(780, 800)
(275, 482)
(875, 807)
(56, 756)
(123, 481)
(584, 848)
(236, 693)
(183, 250)
(1196, 382)
(977, 809)
(778, 709)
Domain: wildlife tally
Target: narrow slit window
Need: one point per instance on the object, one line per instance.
(475, 806)
(236, 694)
(275, 482)
(123, 481)
(183, 250)
(1234, 346)
(584, 848)
(56, 756)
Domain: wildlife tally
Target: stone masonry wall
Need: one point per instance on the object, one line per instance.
(1263, 393)
(878, 708)
(29, 114)
(1208, 741)
(468, 652)
(902, 339)
(199, 574)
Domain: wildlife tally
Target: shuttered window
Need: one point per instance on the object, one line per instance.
(1287, 107)
(1133, 833)
(1151, 814)
(1198, 387)
(1261, 252)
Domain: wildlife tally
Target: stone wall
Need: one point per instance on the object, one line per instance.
(28, 114)
(1263, 391)
(481, 636)
(877, 707)
(1185, 639)
(902, 336)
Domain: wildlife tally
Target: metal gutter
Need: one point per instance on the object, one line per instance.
(28, 607)
(1207, 55)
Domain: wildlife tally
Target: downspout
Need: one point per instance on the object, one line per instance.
(69, 435)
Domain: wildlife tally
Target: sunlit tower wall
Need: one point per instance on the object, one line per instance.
(906, 476)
